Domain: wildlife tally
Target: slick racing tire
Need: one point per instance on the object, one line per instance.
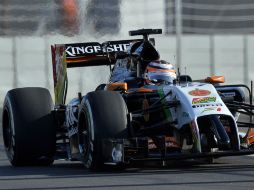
(28, 130)
(103, 115)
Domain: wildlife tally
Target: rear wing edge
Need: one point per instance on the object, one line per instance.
(81, 55)
(59, 73)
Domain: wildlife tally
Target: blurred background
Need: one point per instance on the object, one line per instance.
(200, 37)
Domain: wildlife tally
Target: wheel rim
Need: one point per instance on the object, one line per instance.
(84, 138)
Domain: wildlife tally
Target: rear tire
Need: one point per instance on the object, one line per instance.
(103, 114)
(28, 127)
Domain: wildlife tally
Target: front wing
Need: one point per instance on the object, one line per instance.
(137, 150)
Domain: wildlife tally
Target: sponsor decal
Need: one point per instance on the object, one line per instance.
(74, 50)
(71, 120)
(199, 92)
(211, 109)
(206, 105)
(203, 100)
(208, 109)
(71, 114)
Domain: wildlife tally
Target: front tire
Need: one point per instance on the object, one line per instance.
(103, 114)
(28, 129)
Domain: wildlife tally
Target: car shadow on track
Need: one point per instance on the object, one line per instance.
(75, 171)
(68, 170)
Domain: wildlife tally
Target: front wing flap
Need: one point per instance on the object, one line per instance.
(118, 151)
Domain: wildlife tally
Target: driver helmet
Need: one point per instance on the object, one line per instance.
(160, 72)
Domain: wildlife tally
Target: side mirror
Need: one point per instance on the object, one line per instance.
(215, 79)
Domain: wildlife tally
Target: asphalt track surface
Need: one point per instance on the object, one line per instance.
(234, 173)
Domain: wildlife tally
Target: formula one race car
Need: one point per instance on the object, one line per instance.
(146, 112)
